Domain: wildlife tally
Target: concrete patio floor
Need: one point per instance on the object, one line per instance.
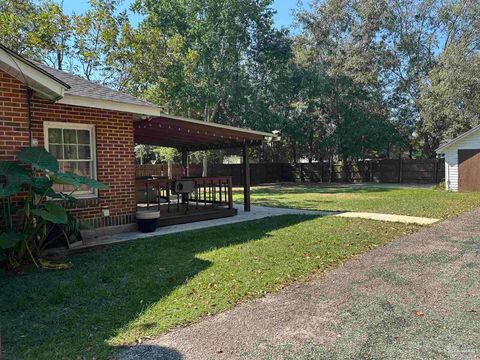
(257, 212)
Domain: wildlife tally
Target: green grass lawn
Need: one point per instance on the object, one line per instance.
(426, 202)
(116, 296)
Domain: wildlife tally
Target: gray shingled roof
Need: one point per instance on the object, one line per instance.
(82, 87)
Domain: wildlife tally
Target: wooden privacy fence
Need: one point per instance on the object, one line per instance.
(259, 173)
(176, 170)
(428, 171)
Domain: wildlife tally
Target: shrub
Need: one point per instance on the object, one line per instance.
(29, 223)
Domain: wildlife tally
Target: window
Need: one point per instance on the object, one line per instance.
(73, 145)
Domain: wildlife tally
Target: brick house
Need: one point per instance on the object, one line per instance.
(92, 129)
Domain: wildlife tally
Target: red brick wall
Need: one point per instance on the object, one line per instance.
(114, 142)
(13, 116)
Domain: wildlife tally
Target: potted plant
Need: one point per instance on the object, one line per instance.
(147, 220)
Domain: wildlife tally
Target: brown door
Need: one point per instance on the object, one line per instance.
(469, 170)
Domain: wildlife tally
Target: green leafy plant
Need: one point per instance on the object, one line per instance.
(32, 210)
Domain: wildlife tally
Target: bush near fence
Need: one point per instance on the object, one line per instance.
(428, 171)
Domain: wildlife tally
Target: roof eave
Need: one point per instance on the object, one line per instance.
(145, 110)
(222, 126)
(31, 75)
(85, 101)
(442, 148)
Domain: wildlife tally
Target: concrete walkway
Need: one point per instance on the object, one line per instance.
(258, 212)
(415, 298)
(388, 217)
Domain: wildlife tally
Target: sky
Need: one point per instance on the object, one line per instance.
(283, 17)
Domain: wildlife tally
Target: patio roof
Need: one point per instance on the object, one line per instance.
(193, 135)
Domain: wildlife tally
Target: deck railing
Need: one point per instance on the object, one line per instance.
(208, 192)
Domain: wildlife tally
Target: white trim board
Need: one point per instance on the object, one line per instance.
(458, 138)
(46, 86)
(96, 103)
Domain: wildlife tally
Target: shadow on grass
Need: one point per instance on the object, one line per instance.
(336, 197)
(73, 313)
(289, 189)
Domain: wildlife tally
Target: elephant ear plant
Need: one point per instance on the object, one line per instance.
(32, 211)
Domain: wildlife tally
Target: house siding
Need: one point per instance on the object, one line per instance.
(471, 141)
(114, 143)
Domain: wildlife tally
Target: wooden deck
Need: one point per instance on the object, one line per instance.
(179, 214)
(211, 199)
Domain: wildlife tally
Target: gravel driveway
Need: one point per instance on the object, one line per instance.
(415, 298)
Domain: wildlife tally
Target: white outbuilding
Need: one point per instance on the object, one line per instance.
(462, 161)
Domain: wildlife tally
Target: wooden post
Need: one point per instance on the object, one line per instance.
(370, 163)
(185, 163)
(230, 193)
(169, 169)
(321, 170)
(185, 172)
(246, 179)
(332, 169)
(204, 166)
(400, 170)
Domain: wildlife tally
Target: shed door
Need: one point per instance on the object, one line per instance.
(469, 170)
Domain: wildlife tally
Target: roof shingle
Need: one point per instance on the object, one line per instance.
(82, 87)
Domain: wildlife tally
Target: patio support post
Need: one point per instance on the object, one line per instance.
(186, 172)
(185, 163)
(246, 179)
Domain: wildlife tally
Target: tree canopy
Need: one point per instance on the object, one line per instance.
(355, 79)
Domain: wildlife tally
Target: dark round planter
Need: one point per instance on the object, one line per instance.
(147, 221)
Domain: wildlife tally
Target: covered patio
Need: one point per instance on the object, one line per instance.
(210, 197)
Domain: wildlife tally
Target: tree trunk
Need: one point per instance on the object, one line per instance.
(59, 59)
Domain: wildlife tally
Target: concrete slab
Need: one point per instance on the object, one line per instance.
(390, 217)
(258, 212)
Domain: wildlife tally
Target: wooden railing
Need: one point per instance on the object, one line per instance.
(208, 192)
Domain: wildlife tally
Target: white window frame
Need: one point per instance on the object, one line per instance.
(82, 194)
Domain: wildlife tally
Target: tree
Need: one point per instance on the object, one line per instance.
(79, 43)
(39, 31)
(54, 35)
(96, 35)
(449, 100)
(347, 53)
(17, 25)
(412, 33)
(211, 60)
(359, 76)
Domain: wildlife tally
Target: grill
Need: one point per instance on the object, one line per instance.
(183, 187)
